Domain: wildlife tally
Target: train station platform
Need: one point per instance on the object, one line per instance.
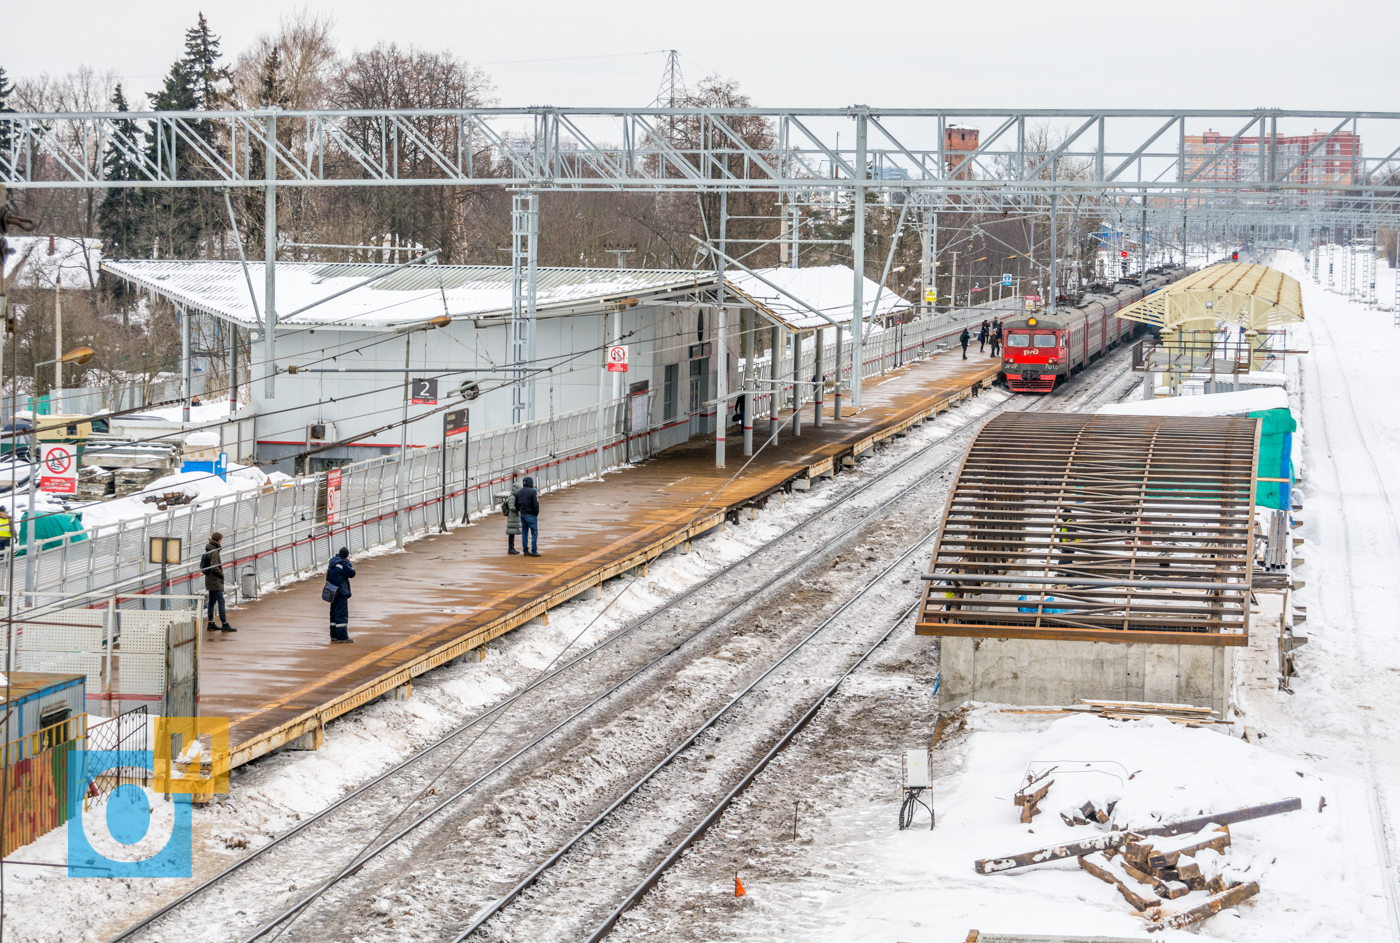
(279, 680)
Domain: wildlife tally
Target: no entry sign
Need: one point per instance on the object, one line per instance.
(58, 468)
(617, 359)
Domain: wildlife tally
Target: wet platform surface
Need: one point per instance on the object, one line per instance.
(279, 678)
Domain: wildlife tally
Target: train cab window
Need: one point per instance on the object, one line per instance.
(1044, 340)
(1018, 340)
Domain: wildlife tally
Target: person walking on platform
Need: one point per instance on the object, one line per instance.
(338, 576)
(212, 566)
(982, 335)
(512, 514)
(527, 501)
(965, 338)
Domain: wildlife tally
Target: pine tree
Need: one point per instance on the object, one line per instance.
(201, 65)
(6, 87)
(119, 214)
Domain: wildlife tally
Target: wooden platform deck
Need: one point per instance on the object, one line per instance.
(279, 680)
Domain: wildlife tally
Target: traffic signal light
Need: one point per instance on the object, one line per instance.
(1125, 253)
(1234, 257)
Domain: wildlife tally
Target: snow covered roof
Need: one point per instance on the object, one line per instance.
(1238, 403)
(1254, 296)
(40, 261)
(408, 296)
(825, 288)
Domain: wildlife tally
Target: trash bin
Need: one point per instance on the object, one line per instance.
(248, 583)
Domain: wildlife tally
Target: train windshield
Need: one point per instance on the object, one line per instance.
(1018, 340)
(1044, 340)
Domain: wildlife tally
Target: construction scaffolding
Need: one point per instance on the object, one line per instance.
(1098, 528)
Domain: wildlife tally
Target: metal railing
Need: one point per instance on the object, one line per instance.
(280, 532)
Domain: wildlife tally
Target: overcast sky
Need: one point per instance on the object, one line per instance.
(1188, 54)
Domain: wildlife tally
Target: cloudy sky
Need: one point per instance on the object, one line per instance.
(1188, 53)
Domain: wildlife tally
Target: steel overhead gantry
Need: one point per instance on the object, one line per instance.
(1176, 160)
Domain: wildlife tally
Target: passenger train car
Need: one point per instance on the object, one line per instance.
(1039, 349)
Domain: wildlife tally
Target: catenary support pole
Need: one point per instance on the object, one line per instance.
(836, 409)
(185, 392)
(721, 337)
(796, 384)
(775, 391)
(858, 257)
(57, 406)
(751, 339)
(401, 478)
(270, 252)
(819, 391)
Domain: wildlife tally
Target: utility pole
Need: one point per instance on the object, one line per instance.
(184, 364)
(721, 335)
(57, 405)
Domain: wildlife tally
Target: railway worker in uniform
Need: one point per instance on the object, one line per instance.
(965, 338)
(5, 532)
(339, 574)
(212, 566)
(527, 500)
(512, 514)
(982, 334)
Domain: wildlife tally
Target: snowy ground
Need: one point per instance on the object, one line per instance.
(272, 795)
(850, 875)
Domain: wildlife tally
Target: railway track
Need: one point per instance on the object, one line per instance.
(642, 655)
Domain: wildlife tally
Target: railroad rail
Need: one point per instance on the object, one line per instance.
(388, 787)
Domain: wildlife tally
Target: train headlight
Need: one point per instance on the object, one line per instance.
(1031, 322)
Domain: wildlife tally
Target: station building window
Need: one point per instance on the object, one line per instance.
(668, 391)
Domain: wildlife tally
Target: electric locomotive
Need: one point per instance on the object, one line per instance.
(1039, 349)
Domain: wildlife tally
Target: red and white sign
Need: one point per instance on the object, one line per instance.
(58, 468)
(332, 497)
(617, 359)
(1032, 301)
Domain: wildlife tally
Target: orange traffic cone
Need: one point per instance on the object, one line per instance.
(738, 886)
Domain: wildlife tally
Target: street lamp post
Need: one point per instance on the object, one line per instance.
(78, 355)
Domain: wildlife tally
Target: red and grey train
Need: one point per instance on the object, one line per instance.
(1039, 348)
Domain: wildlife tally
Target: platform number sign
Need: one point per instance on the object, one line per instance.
(617, 358)
(58, 468)
(423, 391)
(456, 422)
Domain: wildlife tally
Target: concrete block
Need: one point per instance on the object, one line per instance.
(311, 740)
(1041, 672)
(801, 484)
(401, 693)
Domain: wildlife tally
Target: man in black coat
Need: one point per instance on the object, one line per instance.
(212, 566)
(527, 501)
(339, 574)
(965, 339)
(982, 335)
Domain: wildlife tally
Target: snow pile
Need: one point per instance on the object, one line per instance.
(1237, 403)
(198, 485)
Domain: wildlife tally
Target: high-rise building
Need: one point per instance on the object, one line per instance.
(1334, 162)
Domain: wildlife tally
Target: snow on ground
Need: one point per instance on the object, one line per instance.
(852, 876)
(855, 877)
(270, 796)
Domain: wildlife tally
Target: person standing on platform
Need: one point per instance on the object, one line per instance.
(5, 532)
(212, 566)
(965, 338)
(996, 341)
(512, 514)
(527, 501)
(982, 335)
(339, 574)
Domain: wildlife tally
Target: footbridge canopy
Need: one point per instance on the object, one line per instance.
(1254, 297)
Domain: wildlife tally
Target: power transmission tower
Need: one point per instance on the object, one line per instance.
(672, 93)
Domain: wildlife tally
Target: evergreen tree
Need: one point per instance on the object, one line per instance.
(184, 219)
(6, 87)
(119, 214)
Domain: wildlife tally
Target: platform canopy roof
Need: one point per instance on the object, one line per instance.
(1077, 527)
(407, 296)
(1255, 297)
(804, 299)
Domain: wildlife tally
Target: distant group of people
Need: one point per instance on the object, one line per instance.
(990, 331)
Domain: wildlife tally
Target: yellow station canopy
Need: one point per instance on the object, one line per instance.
(1254, 296)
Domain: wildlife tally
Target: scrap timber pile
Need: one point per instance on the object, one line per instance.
(1173, 873)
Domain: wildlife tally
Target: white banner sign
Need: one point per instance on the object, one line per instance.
(617, 359)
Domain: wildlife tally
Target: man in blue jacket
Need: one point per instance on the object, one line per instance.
(527, 502)
(339, 574)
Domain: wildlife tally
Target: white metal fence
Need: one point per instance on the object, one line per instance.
(275, 534)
